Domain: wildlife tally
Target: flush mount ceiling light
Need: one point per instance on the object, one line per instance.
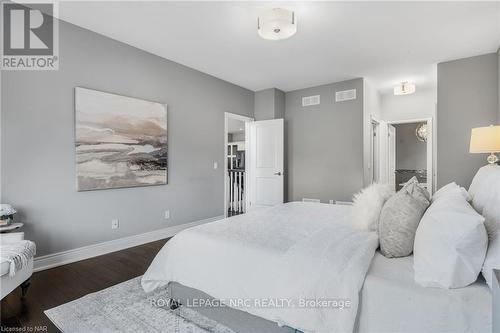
(404, 88)
(276, 24)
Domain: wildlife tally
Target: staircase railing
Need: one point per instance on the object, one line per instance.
(236, 181)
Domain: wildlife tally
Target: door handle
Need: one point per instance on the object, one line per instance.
(277, 173)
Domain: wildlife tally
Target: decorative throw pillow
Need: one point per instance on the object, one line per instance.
(450, 244)
(399, 220)
(451, 188)
(367, 206)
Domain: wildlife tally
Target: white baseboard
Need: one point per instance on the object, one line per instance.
(94, 250)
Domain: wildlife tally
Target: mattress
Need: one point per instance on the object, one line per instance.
(298, 264)
(4, 267)
(391, 301)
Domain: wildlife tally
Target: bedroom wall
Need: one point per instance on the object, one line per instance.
(324, 143)
(467, 98)
(411, 154)
(38, 153)
(235, 137)
(421, 104)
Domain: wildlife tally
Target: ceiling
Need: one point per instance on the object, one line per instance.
(385, 42)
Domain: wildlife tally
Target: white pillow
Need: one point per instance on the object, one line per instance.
(485, 192)
(367, 206)
(450, 244)
(451, 188)
(480, 182)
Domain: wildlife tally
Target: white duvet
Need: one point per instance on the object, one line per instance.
(276, 263)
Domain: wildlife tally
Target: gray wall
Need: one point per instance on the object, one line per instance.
(235, 137)
(269, 104)
(411, 154)
(324, 143)
(498, 82)
(264, 104)
(467, 98)
(421, 104)
(38, 153)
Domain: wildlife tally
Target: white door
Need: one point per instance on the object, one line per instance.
(391, 156)
(265, 152)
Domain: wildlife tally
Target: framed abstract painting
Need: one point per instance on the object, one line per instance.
(120, 141)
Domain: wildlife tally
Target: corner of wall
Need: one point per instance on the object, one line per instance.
(269, 104)
(279, 104)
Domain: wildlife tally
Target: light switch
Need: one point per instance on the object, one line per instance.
(216, 165)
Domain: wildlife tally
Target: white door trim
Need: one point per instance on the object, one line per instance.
(374, 166)
(227, 116)
(430, 147)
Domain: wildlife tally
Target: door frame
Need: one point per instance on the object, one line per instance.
(376, 122)
(430, 147)
(227, 116)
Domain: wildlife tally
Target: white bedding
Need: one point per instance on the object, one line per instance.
(289, 252)
(392, 302)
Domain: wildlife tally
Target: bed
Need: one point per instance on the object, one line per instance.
(391, 301)
(297, 252)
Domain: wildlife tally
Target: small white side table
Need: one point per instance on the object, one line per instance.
(11, 227)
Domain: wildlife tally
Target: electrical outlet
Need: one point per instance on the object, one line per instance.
(332, 202)
(216, 165)
(115, 224)
(167, 214)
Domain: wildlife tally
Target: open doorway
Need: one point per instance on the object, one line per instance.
(235, 166)
(409, 147)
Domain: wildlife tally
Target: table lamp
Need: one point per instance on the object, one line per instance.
(486, 140)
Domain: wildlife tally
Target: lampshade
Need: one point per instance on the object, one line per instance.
(485, 139)
(277, 23)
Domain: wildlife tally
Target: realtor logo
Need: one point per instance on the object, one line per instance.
(30, 37)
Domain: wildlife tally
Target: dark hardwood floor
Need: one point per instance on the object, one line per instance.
(63, 284)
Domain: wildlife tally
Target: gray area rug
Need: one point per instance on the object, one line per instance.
(125, 308)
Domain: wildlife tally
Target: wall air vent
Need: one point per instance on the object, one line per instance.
(345, 95)
(310, 100)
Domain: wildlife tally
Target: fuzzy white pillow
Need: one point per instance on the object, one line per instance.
(368, 204)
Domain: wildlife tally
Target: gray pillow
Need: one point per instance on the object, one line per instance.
(399, 220)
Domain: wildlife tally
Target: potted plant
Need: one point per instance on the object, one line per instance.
(6, 214)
